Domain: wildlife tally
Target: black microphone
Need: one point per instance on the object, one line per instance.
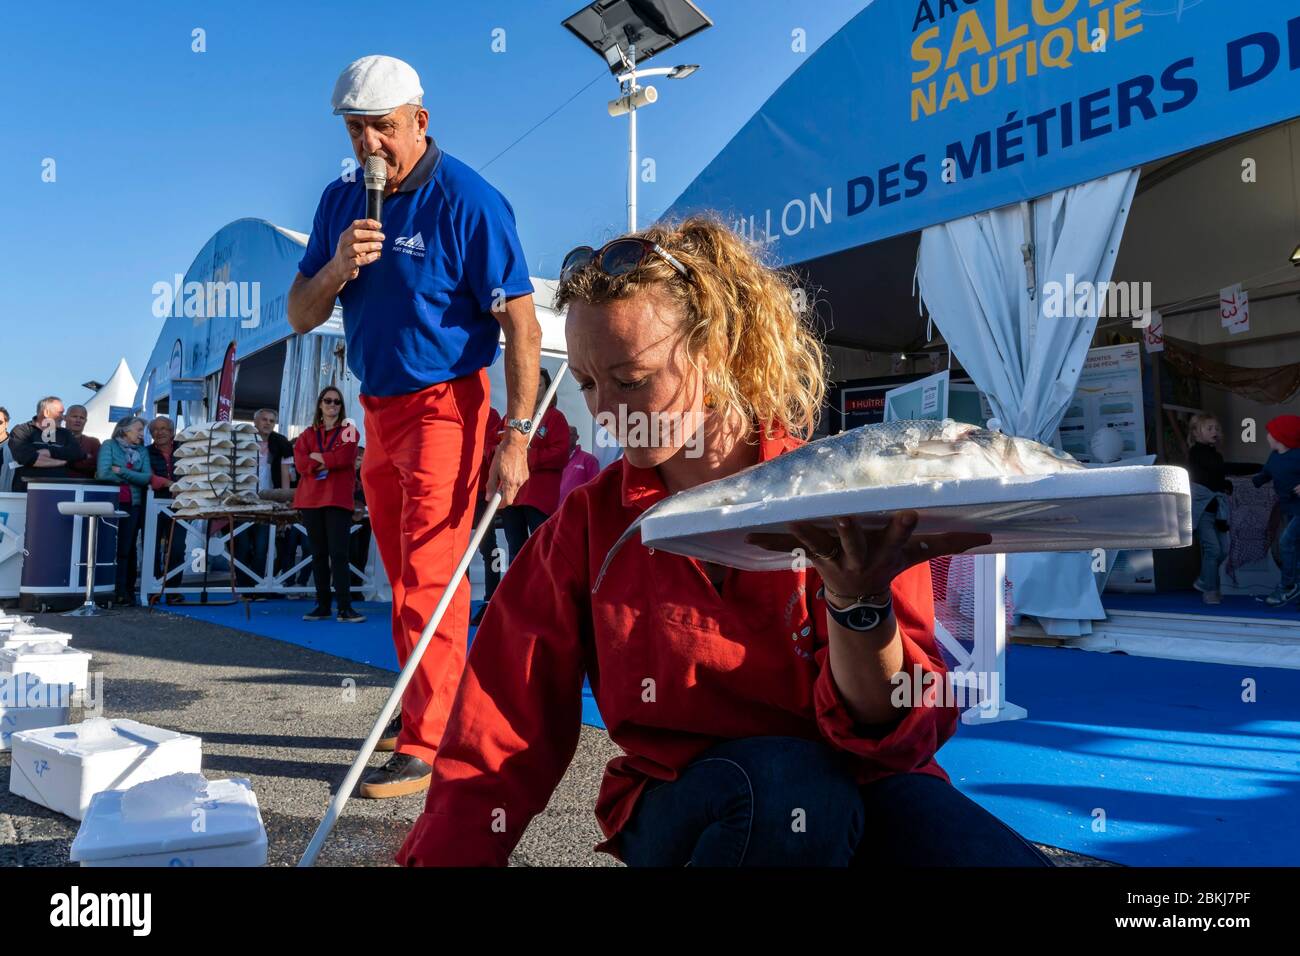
(376, 178)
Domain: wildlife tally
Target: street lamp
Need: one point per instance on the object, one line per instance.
(620, 31)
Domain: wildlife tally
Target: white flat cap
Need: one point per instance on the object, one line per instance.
(375, 85)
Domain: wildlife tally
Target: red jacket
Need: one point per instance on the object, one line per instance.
(86, 466)
(339, 486)
(548, 453)
(751, 661)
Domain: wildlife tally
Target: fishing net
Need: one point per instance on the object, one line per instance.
(953, 582)
(1274, 385)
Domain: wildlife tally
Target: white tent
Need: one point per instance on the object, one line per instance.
(119, 391)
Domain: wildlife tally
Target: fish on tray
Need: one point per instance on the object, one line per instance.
(871, 456)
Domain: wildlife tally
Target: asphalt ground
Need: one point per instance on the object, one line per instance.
(290, 720)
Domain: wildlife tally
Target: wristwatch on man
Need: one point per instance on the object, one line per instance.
(866, 613)
(521, 425)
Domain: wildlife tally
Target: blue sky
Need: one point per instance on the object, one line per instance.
(157, 146)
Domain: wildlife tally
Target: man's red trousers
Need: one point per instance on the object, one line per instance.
(421, 473)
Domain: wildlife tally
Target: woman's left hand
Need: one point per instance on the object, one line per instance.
(853, 562)
(317, 456)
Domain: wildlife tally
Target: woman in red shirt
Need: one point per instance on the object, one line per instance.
(759, 723)
(325, 456)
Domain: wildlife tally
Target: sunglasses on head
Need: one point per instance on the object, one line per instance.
(617, 258)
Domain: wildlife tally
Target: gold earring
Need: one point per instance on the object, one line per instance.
(709, 401)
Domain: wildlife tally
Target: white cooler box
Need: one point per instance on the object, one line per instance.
(28, 704)
(229, 829)
(66, 666)
(63, 767)
(29, 634)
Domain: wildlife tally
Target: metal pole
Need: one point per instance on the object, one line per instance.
(92, 558)
(631, 141)
(344, 791)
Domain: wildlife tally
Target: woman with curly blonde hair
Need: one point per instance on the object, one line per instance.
(758, 713)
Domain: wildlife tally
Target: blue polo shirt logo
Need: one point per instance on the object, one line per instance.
(413, 245)
(421, 314)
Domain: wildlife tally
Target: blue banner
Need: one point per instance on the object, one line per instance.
(922, 111)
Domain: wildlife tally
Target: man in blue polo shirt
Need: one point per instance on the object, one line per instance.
(425, 297)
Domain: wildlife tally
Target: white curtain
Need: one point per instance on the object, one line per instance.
(974, 281)
(310, 363)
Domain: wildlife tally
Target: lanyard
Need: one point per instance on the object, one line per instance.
(334, 437)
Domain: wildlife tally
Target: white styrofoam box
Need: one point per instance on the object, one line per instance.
(223, 827)
(28, 704)
(63, 767)
(1115, 508)
(68, 666)
(30, 634)
(10, 621)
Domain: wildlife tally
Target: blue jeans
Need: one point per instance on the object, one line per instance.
(519, 522)
(1214, 545)
(1288, 543)
(785, 801)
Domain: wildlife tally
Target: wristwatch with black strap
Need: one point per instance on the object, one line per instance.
(865, 612)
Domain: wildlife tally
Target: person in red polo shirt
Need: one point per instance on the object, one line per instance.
(326, 458)
(540, 495)
(756, 712)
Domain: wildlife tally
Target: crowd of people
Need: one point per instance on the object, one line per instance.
(319, 471)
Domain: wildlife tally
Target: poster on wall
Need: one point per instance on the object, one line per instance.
(925, 399)
(1108, 399)
(1234, 309)
(1153, 336)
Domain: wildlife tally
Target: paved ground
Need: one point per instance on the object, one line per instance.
(287, 719)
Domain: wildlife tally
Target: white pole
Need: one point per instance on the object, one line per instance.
(989, 656)
(395, 698)
(631, 141)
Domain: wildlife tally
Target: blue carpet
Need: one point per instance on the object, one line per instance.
(368, 643)
(1186, 773)
(1189, 602)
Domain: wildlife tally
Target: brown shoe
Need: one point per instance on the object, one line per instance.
(388, 742)
(402, 775)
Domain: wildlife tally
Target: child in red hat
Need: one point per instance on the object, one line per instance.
(1283, 469)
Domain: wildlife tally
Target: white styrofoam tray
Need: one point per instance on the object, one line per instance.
(231, 832)
(27, 704)
(55, 768)
(32, 635)
(69, 666)
(1114, 508)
